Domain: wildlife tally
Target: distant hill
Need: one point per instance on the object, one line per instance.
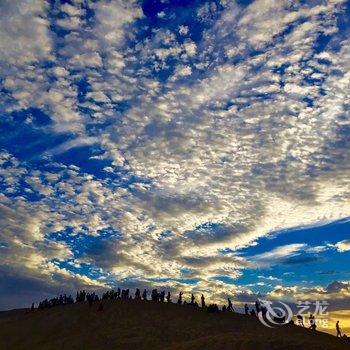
(134, 325)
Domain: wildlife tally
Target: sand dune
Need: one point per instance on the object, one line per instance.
(148, 325)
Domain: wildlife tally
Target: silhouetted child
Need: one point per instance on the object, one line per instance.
(246, 309)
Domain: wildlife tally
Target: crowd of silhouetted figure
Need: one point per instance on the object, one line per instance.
(48, 303)
(161, 296)
(124, 294)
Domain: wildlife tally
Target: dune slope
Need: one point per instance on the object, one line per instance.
(147, 325)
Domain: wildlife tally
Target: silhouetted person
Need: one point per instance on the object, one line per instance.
(229, 307)
(154, 295)
(224, 308)
(168, 297)
(246, 309)
(257, 306)
(337, 327)
(179, 301)
(312, 322)
(162, 296)
(144, 295)
(252, 312)
(202, 301)
(213, 308)
(300, 320)
(137, 294)
(192, 299)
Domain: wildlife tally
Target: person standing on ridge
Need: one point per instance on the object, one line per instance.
(312, 322)
(257, 307)
(337, 327)
(202, 301)
(230, 306)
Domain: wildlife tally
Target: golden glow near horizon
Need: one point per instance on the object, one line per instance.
(343, 316)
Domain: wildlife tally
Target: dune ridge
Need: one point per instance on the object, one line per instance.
(146, 325)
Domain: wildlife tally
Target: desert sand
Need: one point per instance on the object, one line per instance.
(124, 325)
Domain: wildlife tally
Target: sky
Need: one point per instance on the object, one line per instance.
(190, 145)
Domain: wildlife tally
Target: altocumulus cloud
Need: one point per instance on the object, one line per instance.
(217, 127)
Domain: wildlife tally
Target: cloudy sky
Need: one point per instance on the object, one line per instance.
(194, 145)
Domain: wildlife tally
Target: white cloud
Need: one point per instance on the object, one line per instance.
(343, 246)
(69, 23)
(183, 30)
(236, 144)
(190, 48)
(112, 17)
(24, 31)
(280, 252)
(181, 71)
(336, 293)
(72, 10)
(60, 72)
